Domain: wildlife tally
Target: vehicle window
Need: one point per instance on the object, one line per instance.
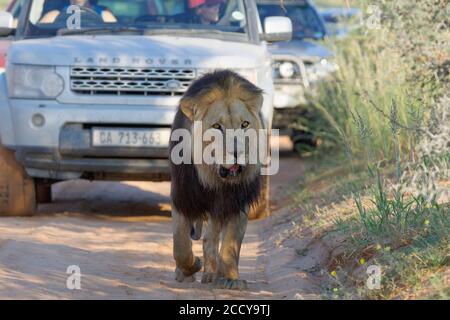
(16, 7)
(50, 17)
(305, 19)
(15, 10)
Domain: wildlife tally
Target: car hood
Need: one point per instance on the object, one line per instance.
(136, 51)
(303, 49)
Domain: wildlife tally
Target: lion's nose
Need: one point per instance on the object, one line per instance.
(237, 153)
(239, 150)
(223, 172)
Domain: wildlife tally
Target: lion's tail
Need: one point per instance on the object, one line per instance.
(196, 231)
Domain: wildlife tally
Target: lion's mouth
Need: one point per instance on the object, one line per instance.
(233, 171)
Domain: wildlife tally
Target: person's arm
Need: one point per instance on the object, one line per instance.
(50, 17)
(107, 16)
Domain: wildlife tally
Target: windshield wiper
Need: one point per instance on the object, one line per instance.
(99, 30)
(189, 31)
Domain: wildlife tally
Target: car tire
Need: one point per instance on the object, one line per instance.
(303, 141)
(43, 192)
(17, 190)
(262, 208)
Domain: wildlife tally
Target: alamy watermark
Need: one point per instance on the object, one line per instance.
(227, 147)
(373, 281)
(74, 20)
(374, 19)
(73, 281)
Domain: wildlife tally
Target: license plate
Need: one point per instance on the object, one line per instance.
(140, 138)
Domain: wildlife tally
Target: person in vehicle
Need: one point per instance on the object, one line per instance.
(201, 12)
(104, 12)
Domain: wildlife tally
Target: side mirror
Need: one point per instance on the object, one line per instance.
(6, 24)
(277, 29)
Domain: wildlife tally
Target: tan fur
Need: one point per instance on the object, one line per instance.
(229, 105)
(230, 108)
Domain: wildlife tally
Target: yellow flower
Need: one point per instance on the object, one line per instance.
(333, 273)
(387, 249)
(378, 247)
(426, 222)
(335, 289)
(362, 261)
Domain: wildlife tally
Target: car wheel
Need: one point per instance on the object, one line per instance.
(43, 192)
(303, 141)
(17, 190)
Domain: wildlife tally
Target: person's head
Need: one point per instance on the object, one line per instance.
(206, 10)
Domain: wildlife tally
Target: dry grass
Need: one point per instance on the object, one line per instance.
(415, 265)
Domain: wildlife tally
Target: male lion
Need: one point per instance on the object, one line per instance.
(223, 193)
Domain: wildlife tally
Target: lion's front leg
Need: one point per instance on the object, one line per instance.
(186, 264)
(228, 267)
(211, 250)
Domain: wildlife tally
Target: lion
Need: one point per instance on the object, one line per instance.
(220, 194)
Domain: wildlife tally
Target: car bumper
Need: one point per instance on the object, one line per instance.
(62, 149)
(289, 95)
(50, 164)
(285, 119)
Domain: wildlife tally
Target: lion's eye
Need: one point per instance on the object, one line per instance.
(217, 126)
(245, 124)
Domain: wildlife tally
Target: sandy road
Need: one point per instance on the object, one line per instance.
(119, 234)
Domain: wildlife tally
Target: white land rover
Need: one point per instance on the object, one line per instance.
(91, 91)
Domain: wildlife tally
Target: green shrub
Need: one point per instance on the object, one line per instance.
(388, 82)
(388, 107)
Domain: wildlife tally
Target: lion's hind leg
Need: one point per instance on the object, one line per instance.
(186, 263)
(211, 250)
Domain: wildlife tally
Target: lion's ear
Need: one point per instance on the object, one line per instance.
(259, 100)
(255, 102)
(187, 107)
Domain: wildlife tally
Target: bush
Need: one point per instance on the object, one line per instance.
(389, 109)
(388, 83)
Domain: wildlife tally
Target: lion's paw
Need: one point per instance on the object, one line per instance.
(229, 284)
(188, 275)
(180, 277)
(208, 277)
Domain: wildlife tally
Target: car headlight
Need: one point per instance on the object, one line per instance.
(286, 70)
(40, 82)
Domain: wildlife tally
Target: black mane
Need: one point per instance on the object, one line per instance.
(189, 196)
(195, 201)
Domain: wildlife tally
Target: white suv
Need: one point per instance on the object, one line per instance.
(83, 96)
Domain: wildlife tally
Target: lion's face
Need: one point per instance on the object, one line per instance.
(231, 119)
(229, 113)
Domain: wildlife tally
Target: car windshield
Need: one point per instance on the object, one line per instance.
(306, 22)
(48, 18)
